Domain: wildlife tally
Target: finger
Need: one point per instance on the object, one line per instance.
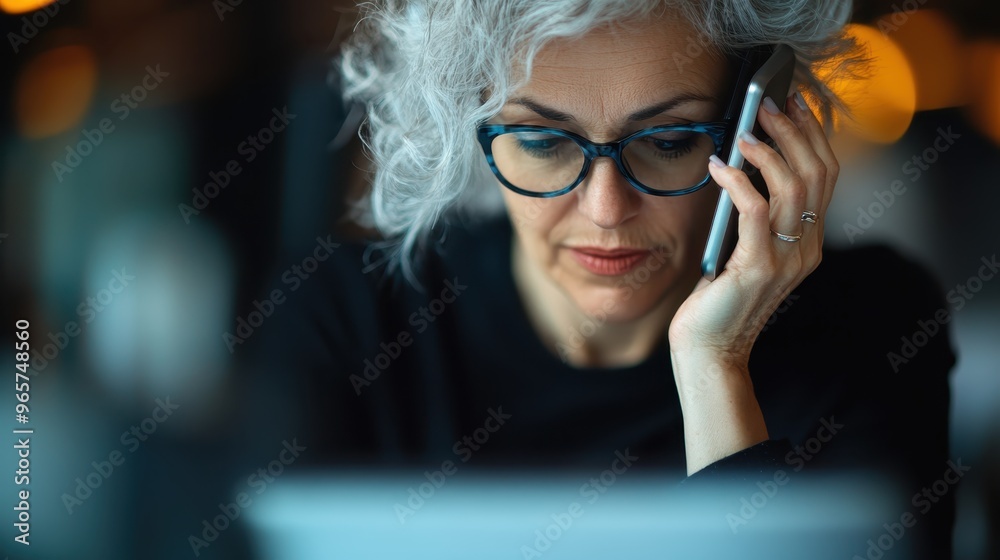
(798, 111)
(797, 151)
(812, 129)
(754, 221)
(786, 189)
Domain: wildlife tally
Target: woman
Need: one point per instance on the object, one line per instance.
(579, 317)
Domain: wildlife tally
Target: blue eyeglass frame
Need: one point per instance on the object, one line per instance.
(718, 131)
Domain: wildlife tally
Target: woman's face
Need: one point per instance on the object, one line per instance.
(610, 249)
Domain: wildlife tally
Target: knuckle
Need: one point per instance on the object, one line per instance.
(740, 179)
(833, 165)
(757, 209)
(794, 192)
(833, 171)
(732, 173)
(770, 157)
(816, 172)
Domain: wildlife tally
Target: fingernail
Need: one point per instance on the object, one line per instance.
(770, 106)
(716, 161)
(800, 101)
(749, 138)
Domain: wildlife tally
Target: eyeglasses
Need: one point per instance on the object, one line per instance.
(670, 160)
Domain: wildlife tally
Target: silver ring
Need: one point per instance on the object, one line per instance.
(808, 216)
(789, 238)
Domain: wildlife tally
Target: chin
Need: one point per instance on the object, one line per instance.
(624, 299)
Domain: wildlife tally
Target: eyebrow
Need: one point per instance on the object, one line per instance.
(640, 115)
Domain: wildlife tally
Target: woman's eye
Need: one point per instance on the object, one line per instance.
(670, 148)
(539, 145)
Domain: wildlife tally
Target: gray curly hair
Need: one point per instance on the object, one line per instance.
(421, 68)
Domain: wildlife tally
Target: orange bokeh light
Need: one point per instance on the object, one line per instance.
(22, 6)
(932, 44)
(881, 104)
(983, 67)
(54, 90)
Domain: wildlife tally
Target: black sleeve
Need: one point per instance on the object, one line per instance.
(748, 465)
(867, 346)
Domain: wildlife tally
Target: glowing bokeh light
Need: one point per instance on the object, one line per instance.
(983, 63)
(22, 6)
(932, 44)
(54, 90)
(881, 104)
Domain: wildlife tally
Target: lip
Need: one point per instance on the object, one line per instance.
(608, 262)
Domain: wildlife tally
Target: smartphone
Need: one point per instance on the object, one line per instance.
(763, 72)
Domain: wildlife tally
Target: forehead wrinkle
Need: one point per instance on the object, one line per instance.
(615, 98)
(662, 65)
(628, 58)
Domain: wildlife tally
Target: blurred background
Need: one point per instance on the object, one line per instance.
(158, 156)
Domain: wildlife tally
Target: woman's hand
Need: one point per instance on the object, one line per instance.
(714, 330)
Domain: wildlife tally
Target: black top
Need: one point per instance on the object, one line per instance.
(371, 370)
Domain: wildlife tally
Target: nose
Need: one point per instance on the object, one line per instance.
(606, 197)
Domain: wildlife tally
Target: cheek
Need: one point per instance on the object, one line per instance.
(683, 222)
(700, 208)
(535, 220)
(524, 211)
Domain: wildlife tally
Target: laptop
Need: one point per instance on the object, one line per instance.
(524, 515)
